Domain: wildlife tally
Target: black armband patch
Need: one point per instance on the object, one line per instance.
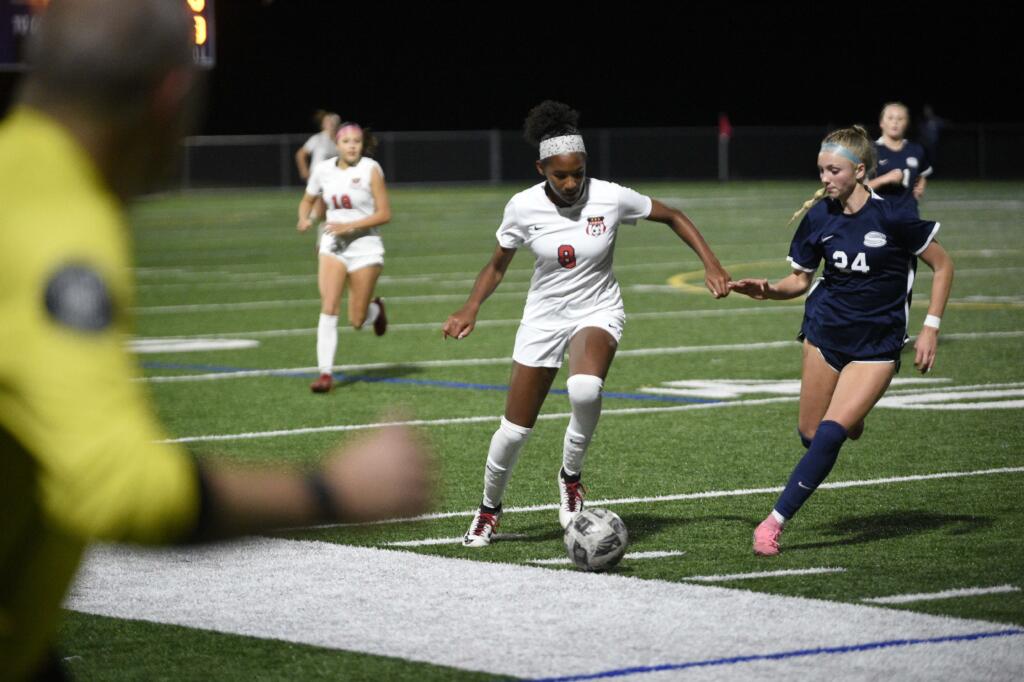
(77, 297)
(322, 497)
(203, 530)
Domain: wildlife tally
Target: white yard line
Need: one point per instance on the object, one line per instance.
(430, 542)
(739, 492)
(632, 556)
(463, 420)
(760, 574)
(945, 594)
(507, 322)
(427, 608)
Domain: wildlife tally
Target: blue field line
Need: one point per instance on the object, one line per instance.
(338, 376)
(851, 648)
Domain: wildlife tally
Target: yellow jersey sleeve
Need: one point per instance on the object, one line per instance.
(69, 393)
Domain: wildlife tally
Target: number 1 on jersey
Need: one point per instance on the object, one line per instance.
(567, 256)
(341, 202)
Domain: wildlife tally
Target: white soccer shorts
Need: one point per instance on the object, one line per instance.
(355, 255)
(546, 347)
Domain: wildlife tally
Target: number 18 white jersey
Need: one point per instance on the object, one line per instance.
(574, 247)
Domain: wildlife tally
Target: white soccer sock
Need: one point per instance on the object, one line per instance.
(506, 444)
(326, 342)
(372, 312)
(585, 398)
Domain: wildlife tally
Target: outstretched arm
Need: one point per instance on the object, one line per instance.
(716, 279)
(791, 286)
(928, 339)
(461, 322)
(386, 475)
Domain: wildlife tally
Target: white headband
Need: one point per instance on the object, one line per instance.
(563, 144)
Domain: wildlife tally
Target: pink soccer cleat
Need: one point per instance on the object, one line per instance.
(766, 537)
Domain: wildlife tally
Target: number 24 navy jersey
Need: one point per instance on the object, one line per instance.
(861, 304)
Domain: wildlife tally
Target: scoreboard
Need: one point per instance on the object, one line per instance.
(19, 18)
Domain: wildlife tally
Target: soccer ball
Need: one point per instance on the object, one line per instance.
(596, 539)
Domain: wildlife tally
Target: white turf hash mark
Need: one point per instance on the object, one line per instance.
(702, 495)
(761, 574)
(633, 556)
(946, 594)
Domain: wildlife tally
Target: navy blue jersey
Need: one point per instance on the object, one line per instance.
(912, 159)
(861, 304)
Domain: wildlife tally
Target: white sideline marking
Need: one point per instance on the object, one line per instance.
(946, 594)
(632, 556)
(701, 495)
(428, 542)
(296, 303)
(351, 598)
(507, 322)
(760, 574)
(462, 420)
(732, 388)
(173, 345)
(467, 362)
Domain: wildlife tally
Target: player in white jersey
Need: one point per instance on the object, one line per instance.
(320, 147)
(351, 249)
(317, 149)
(570, 222)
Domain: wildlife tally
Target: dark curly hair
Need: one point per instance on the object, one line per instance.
(550, 119)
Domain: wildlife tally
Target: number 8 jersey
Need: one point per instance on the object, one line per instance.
(573, 246)
(861, 304)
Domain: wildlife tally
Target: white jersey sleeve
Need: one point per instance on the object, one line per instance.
(311, 143)
(315, 184)
(632, 205)
(373, 165)
(511, 234)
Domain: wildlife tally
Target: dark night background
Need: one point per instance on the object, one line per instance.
(446, 66)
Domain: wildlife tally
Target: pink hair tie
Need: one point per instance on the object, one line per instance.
(345, 127)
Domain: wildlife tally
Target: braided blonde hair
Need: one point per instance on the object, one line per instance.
(857, 141)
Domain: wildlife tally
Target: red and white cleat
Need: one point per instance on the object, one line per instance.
(570, 500)
(380, 325)
(323, 384)
(481, 529)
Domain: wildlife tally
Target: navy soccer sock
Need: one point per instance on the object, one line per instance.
(804, 440)
(812, 468)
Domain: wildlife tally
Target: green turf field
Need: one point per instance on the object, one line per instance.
(231, 265)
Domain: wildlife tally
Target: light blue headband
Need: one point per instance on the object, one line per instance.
(842, 151)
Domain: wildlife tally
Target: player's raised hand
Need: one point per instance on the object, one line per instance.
(389, 474)
(459, 324)
(716, 279)
(924, 349)
(754, 288)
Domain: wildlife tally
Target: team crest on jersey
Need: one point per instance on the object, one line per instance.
(355, 182)
(874, 239)
(596, 226)
(911, 162)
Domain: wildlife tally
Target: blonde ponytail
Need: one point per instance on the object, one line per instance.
(818, 196)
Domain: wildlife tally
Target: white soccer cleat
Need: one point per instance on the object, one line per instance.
(481, 530)
(570, 500)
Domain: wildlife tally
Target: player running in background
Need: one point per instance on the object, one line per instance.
(855, 320)
(570, 223)
(351, 249)
(319, 147)
(82, 456)
(903, 165)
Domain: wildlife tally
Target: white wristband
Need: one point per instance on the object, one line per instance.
(932, 321)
